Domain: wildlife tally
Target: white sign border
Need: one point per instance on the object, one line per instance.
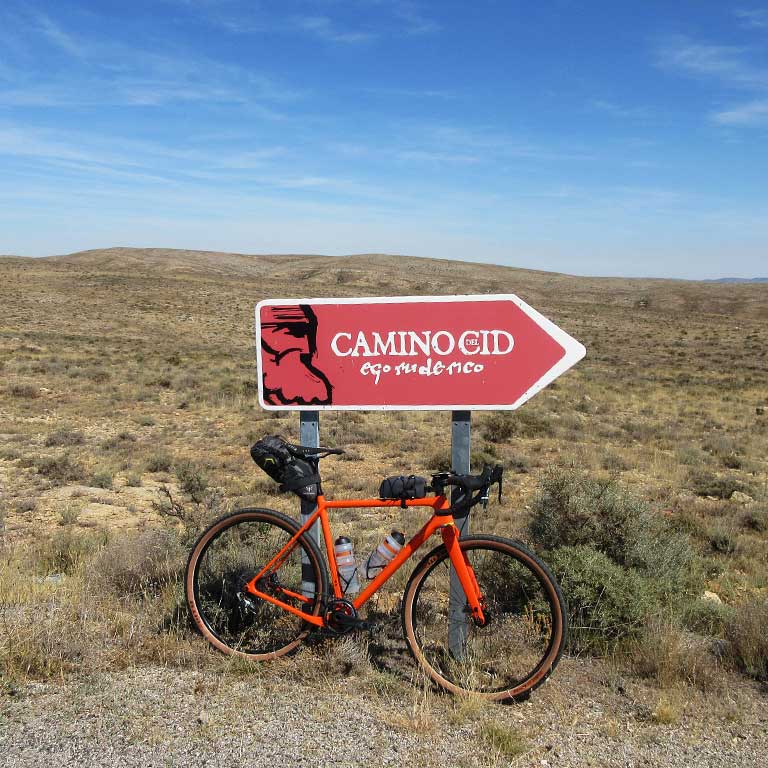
(574, 351)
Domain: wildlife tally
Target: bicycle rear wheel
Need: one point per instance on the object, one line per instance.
(525, 630)
(226, 556)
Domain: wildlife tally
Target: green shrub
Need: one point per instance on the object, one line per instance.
(706, 617)
(572, 509)
(101, 479)
(606, 603)
(619, 564)
(723, 540)
(159, 462)
(705, 483)
(502, 739)
(501, 426)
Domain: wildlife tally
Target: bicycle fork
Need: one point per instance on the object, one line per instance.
(464, 572)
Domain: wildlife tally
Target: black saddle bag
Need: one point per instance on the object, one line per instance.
(273, 455)
(403, 487)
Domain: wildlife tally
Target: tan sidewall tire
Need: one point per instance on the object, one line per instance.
(247, 515)
(548, 581)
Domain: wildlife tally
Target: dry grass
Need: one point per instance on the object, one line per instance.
(748, 634)
(139, 376)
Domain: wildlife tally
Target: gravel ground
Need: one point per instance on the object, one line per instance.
(585, 716)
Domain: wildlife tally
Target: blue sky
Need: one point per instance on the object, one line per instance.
(591, 138)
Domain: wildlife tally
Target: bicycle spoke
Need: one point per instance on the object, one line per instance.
(506, 651)
(230, 558)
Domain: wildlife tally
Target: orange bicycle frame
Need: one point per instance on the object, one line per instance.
(440, 520)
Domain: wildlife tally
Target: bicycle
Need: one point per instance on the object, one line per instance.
(480, 614)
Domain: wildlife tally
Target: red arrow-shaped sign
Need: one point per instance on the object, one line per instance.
(436, 353)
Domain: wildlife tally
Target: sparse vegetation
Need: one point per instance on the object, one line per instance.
(158, 413)
(61, 469)
(503, 740)
(159, 462)
(747, 634)
(64, 437)
(22, 390)
(101, 479)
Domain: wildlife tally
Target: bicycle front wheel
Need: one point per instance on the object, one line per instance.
(230, 553)
(523, 636)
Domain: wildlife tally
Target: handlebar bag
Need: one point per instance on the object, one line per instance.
(294, 474)
(403, 487)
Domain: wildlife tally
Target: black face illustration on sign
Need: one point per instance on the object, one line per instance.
(289, 345)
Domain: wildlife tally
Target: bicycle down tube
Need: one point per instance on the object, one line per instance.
(443, 522)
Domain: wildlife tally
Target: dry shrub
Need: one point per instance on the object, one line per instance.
(193, 480)
(51, 627)
(748, 635)
(669, 656)
(64, 437)
(139, 564)
(29, 391)
(607, 604)
(35, 642)
(346, 656)
(66, 550)
(61, 469)
(706, 483)
(192, 515)
(501, 426)
(755, 518)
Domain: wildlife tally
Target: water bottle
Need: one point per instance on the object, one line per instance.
(345, 561)
(380, 556)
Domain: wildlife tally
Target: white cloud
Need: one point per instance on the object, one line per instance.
(113, 73)
(323, 28)
(59, 37)
(756, 18)
(725, 63)
(617, 110)
(394, 17)
(730, 67)
(415, 21)
(751, 113)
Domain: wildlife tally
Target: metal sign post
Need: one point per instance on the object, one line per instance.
(309, 434)
(448, 353)
(457, 602)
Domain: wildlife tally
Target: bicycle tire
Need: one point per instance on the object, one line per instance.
(523, 640)
(230, 551)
